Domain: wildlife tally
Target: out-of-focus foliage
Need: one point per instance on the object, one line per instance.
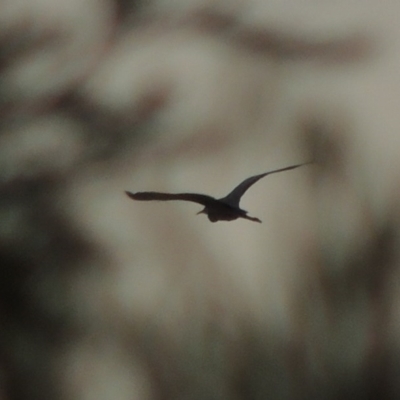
(104, 298)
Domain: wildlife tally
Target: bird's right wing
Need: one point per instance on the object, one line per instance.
(233, 198)
(194, 197)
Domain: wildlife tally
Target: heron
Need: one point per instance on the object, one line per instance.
(223, 209)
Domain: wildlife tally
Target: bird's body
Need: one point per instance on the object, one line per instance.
(221, 211)
(224, 209)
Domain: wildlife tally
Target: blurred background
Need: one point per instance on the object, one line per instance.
(105, 298)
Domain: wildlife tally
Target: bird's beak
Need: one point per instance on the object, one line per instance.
(200, 212)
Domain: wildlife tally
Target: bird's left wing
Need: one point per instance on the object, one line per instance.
(194, 197)
(233, 198)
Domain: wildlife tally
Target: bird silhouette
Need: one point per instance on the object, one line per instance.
(223, 209)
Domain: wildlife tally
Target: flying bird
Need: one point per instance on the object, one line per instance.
(224, 209)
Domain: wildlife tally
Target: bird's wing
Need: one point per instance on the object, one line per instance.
(194, 197)
(233, 198)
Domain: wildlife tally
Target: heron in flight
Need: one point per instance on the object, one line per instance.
(224, 209)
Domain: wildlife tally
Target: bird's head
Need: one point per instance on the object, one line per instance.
(211, 216)
(203, 211)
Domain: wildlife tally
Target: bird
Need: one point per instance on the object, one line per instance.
(223, 209)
